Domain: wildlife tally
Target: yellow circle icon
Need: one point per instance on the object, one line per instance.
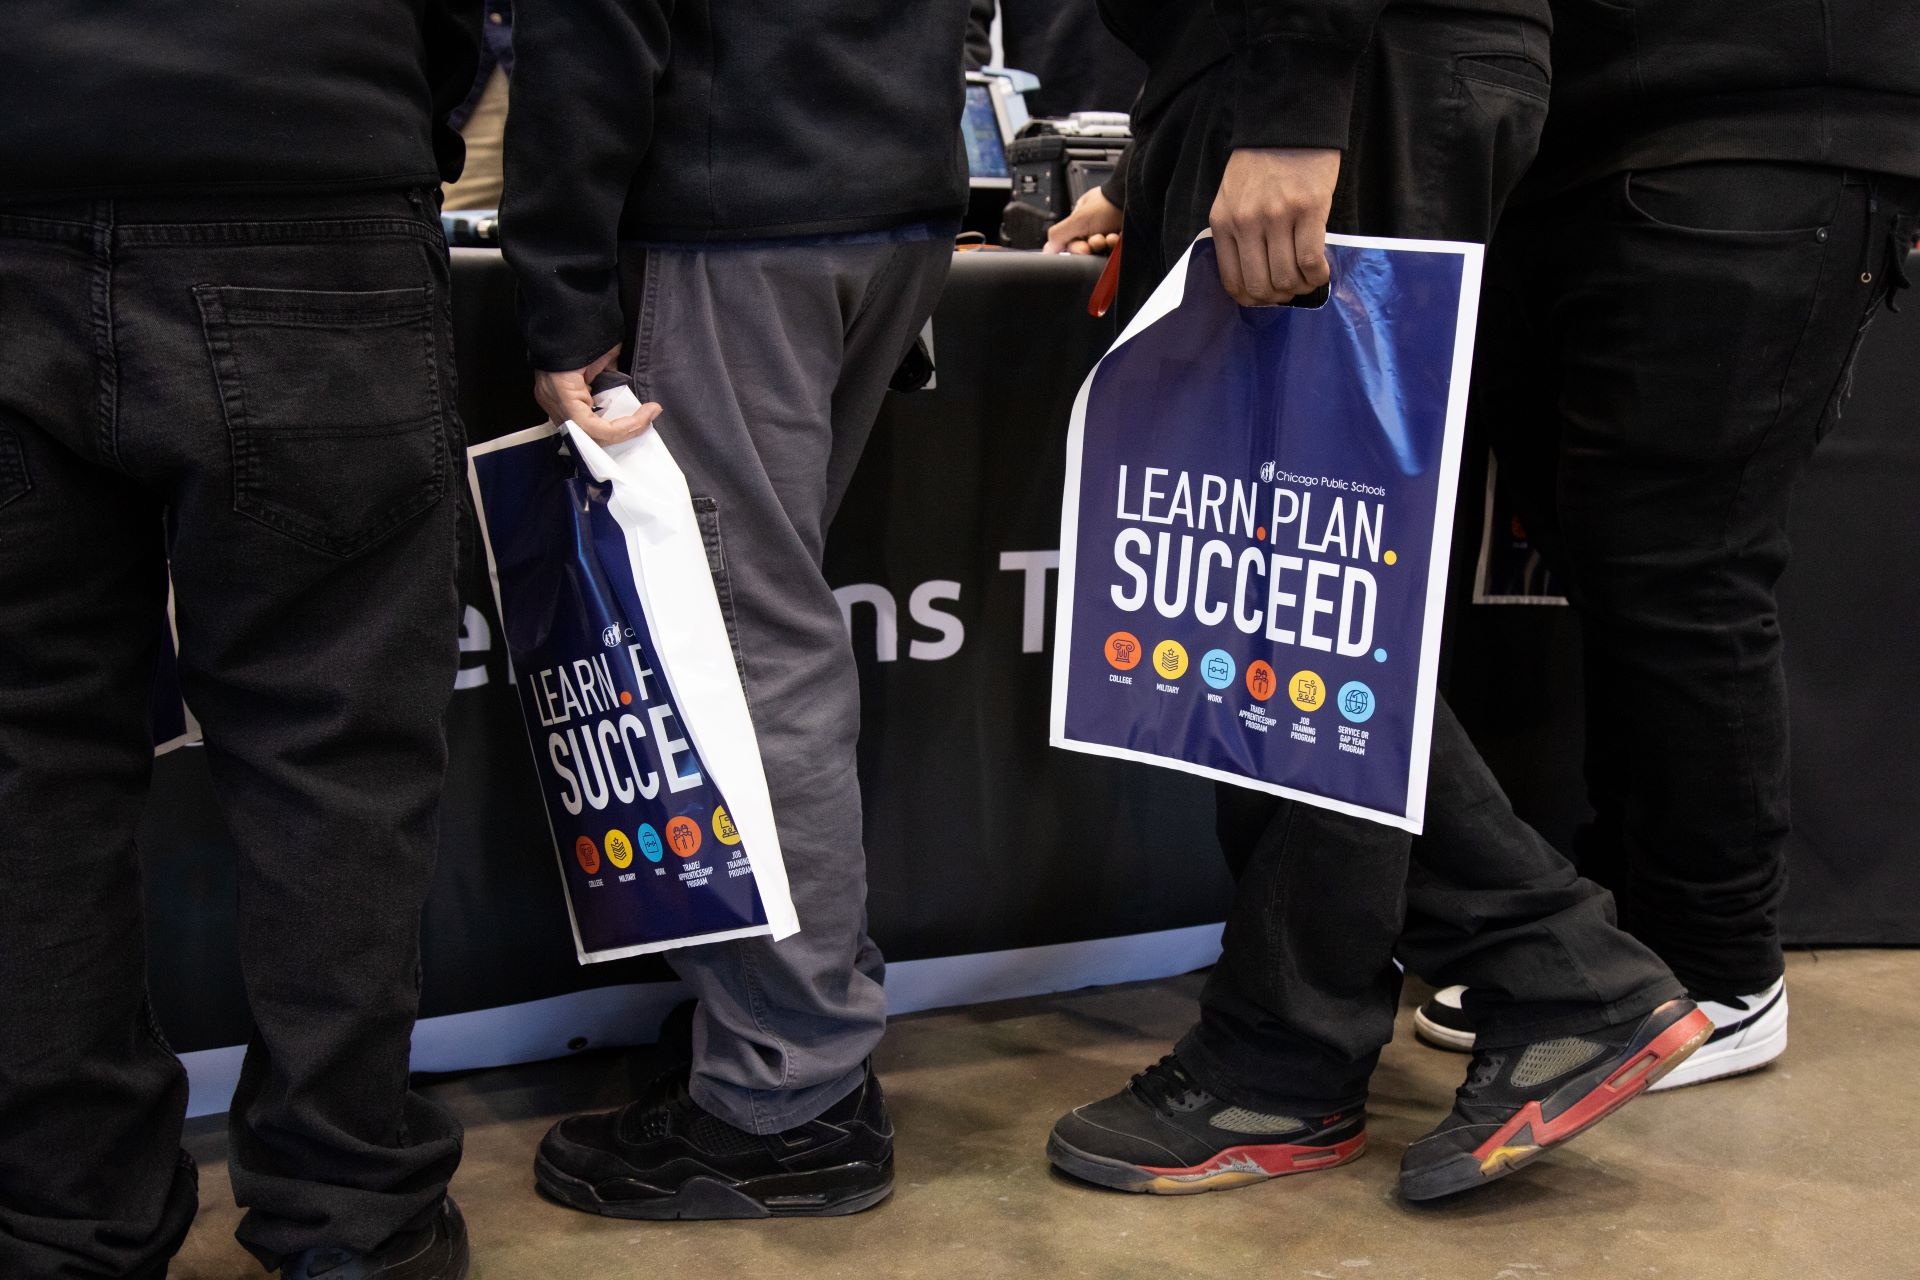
(1306, 690)
(1170, 660)
(1391, 557)
(619, 849)
(723, 826)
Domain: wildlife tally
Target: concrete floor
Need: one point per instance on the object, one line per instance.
(1806, 1170)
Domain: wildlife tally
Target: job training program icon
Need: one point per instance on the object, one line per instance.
(1217, 668)
(1356, 701)
(724, 828)
(1306, 690)
(1170, 659)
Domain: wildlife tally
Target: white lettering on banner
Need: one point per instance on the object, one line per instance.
(920, 609)
(950, 633)
(886, 616)
(1033, 566)
(475, 637)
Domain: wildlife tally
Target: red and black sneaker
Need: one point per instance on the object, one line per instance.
(1519, 1101)
(1167, 1135)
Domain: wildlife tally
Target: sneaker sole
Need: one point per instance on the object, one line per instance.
(1234, 1167)
(1441, 1037)
(714, 1198)
(1527, 1134)
(1708, 1065)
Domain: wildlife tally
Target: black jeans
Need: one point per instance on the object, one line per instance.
(1446, 117)
(258, 394)
(1661, 352)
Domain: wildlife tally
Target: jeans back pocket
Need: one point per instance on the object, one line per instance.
(333, 406)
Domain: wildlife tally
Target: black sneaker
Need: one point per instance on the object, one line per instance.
(1442, 1021)
(1166, 1135)
(665, 1156)
(436, 1251)
(1519, 1101)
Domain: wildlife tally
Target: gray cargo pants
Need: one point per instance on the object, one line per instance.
(770, 363)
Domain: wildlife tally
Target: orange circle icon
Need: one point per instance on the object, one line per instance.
(1123, 650)
(683, 836)
(626, 699)
(1261, 682)
(587, 853)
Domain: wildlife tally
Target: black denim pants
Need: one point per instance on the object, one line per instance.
(1447, 116)
(258, 394)
(1661, 352)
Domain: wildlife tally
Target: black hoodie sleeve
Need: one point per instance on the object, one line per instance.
(581, 120)
(1294, 63)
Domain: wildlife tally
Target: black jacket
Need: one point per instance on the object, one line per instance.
(1294, 61)
(267, 95)
(713, 120)
(1080, 66)
(1640, 84)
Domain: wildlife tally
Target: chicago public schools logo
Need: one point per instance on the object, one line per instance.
(611, 636)
(1266, 472)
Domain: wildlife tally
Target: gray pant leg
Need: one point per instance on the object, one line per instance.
(770, 364)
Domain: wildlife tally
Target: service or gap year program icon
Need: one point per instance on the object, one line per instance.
(1263, 497)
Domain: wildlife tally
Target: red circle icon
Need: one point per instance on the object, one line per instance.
(1261, 682)
(588, 854)
(1123, 650)
(683, 836)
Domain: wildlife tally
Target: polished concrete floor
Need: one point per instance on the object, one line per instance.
(1806, 1170)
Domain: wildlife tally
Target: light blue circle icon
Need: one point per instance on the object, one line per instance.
(1379, 655)
(1217, 668)
(1355, 702)
(649, 841)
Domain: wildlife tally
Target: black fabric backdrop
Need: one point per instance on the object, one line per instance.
(979, 836)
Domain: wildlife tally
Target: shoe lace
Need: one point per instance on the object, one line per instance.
(1167, 1082)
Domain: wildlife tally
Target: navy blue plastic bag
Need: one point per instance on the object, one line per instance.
(640, 732)
(1255, 532)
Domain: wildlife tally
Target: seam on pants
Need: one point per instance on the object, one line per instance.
(106, 389)
(1738, 498)
(756, 1001)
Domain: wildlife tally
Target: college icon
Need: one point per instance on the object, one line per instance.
(1123, 650)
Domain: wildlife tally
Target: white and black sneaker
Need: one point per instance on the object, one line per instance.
(1748, 1033)
(1443, 1023)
